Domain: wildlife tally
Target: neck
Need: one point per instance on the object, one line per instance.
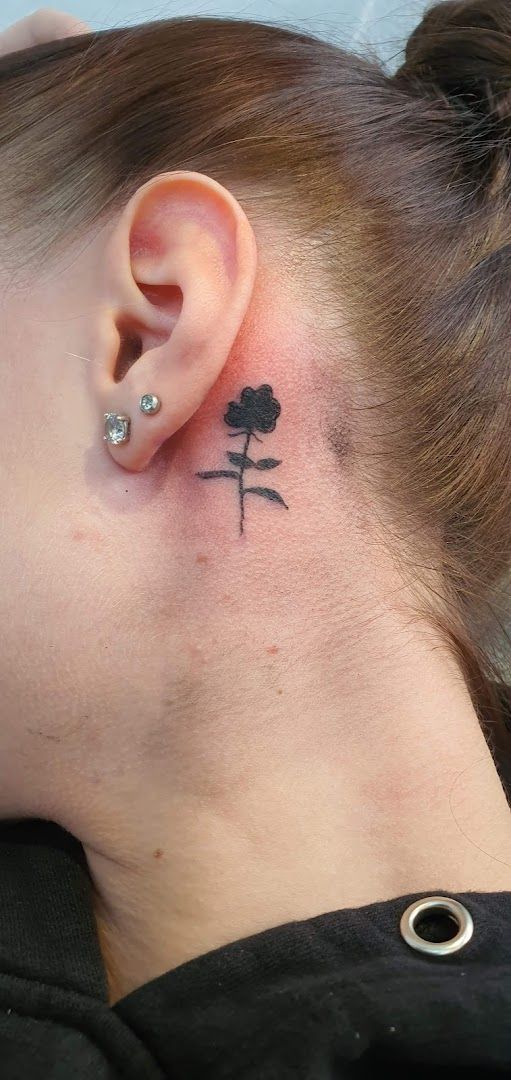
(296, 787)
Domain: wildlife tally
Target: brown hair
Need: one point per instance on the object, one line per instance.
(401, 184)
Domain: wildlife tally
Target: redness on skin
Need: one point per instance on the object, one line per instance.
(91, 536)
(272, 649)
(158, 854)
(202, 560)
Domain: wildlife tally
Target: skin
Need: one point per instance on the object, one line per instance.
(241, 730)
(42, 25)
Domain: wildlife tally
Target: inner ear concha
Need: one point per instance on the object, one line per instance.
(130, 349)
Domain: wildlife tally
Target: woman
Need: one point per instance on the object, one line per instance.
(255, 537)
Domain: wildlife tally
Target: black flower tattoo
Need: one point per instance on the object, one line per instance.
(257, 410)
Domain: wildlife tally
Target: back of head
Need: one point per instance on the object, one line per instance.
(395, 192)
(459, 58)
(461, 52)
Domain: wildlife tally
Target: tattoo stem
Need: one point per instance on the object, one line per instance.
(235, 434)
(242, 470)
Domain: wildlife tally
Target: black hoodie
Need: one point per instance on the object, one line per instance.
(339, 995)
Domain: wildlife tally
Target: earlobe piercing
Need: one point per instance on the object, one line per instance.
(149, 404)
(117, 427)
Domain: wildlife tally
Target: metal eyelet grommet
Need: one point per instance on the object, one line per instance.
(430, 904)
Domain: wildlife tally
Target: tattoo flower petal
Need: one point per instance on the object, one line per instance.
(257, 410)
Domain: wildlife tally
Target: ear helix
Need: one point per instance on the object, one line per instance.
(117, 426)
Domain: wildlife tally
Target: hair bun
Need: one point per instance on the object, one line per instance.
(462, 49)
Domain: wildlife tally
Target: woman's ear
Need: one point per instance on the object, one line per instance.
(179, 271)
(41, 26)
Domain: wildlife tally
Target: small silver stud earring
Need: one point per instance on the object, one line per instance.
(117, 428)
(149, 404)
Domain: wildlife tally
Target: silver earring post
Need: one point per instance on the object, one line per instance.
(149, 404)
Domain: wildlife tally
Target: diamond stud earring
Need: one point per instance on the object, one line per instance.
(149, 404)
(117, 428)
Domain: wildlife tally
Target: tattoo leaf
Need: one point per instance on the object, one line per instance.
(241, 460)
(267, 493)
(267, 463)
(217, 472)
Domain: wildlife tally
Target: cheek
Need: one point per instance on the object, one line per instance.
(41, 449)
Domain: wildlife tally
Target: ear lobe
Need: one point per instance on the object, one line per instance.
(180, 268)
